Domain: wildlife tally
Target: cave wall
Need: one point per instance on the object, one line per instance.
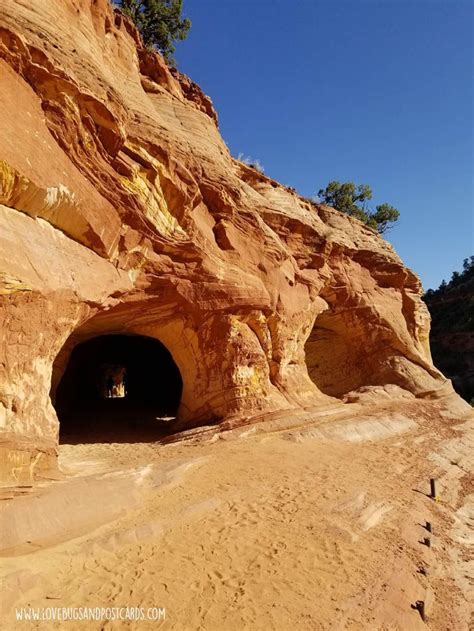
(122, 211)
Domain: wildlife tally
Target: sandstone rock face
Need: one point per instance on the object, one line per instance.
(122, 212)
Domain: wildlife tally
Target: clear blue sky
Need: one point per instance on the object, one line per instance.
(374, 92)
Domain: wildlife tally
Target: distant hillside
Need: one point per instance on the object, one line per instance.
(452, 330)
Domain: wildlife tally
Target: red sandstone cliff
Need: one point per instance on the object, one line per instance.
(122, 210)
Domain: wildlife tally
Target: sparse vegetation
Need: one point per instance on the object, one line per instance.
(251, 162)
(352, 199)
(452, 327)
(159, 22)
(452, 304)
(457, 279)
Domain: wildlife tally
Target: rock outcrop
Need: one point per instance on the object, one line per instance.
(122, 211)
(451, 308)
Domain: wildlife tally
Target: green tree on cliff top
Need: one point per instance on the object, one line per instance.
(352, 199)
(159, 22)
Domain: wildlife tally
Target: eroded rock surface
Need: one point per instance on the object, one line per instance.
(122, 211)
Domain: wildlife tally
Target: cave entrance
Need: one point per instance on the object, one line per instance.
(340, 356)
(118, 388)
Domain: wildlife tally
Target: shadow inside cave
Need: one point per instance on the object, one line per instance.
(118, 389)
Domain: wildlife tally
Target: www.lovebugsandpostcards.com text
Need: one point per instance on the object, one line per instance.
(90, 613)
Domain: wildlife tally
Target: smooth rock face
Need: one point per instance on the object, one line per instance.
(122, 211)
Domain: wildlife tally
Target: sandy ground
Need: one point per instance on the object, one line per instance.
(320, 526)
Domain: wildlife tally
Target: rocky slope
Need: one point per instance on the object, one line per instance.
(122, 211)
(452, 330)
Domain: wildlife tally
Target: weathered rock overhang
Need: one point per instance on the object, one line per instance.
(122, 212)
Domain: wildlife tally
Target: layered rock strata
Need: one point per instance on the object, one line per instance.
(122, 211)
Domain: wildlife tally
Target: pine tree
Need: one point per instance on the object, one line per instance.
(352, 199)
(159, 23)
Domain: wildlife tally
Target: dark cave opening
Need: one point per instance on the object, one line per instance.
(118, 388)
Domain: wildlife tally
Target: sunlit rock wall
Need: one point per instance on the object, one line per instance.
(121, 210)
